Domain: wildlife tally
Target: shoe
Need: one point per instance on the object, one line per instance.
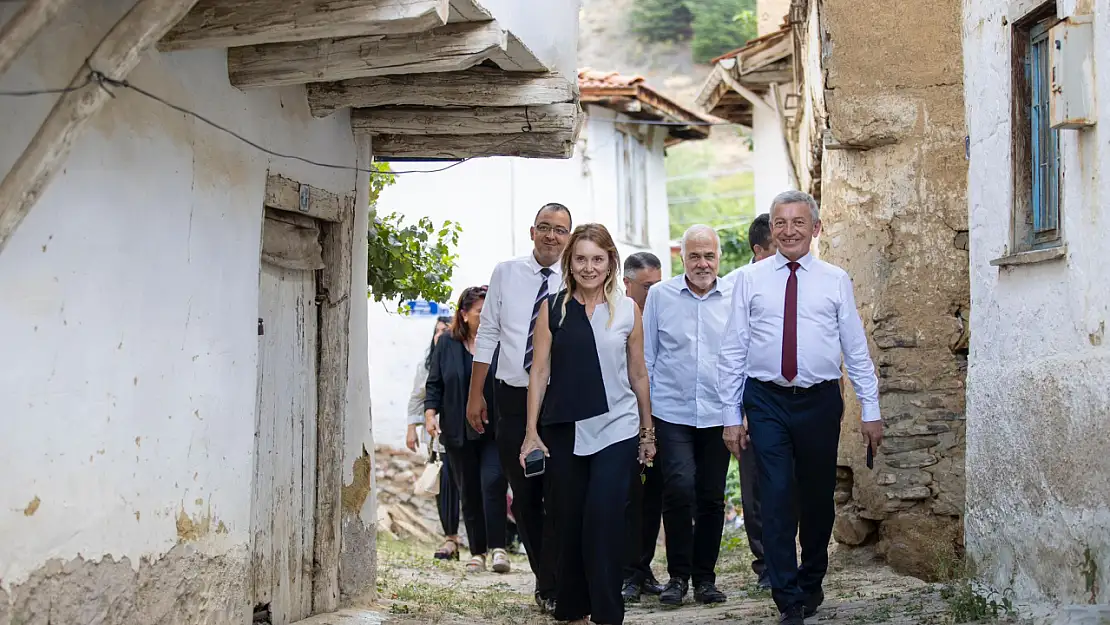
(764, 582)
(477, 564)
(448, 551)
(812, 602)
(550, 605)
(501, 562)
(674, 592)
(792, 616)
(652, 586)
(541, 603)
(707, 593)
(631, 591)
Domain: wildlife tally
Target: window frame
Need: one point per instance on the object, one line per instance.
(632, 152)
(1037, 167)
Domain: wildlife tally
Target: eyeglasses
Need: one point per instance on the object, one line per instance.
(547, 228)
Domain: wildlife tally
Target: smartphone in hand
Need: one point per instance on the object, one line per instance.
(870, 456)
(534, 463)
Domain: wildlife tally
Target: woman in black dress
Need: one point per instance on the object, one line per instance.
(596, 420)
(472, 457)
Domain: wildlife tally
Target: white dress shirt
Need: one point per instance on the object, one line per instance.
(682, 333)
(507, 313)
(829, 327)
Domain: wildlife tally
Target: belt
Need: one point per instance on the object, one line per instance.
(796, 390)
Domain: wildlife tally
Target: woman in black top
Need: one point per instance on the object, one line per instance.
(472, 457)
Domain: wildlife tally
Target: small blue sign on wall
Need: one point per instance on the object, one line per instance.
(422, 308)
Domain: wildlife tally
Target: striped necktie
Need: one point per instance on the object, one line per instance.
(541, 295)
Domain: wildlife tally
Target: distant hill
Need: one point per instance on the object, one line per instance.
(606, 43)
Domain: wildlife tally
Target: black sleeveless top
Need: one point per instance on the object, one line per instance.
(577, 390)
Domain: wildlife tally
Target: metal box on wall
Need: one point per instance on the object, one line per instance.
(1072, 100)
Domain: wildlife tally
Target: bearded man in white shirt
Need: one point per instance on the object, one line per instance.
(793, 322)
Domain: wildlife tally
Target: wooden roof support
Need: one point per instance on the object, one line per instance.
(468, 11)
(448, 48)
(516, 57)
(233, 23)
(115, 56)
(18, 31)
(477, 86)
(527, 145)
(486, 120)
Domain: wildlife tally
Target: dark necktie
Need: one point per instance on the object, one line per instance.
(541, 295)
(790, 325)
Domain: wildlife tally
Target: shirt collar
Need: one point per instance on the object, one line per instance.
(686, 287)
(805, 261)
(536, 266)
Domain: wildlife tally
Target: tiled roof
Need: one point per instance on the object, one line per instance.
(614, 90)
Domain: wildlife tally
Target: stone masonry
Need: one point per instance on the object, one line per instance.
(893, 196)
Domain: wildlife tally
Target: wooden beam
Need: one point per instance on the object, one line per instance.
(232, 23)
(446, 49)
(472, 121)
(477, 86)
(748, 94)
(22, 27)
(516, 57)
(527, 145)
(116, 55)
(285, 194)
(331, 397)
(468, 11)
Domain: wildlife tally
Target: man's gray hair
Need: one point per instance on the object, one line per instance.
(698, 231)
(796, 197)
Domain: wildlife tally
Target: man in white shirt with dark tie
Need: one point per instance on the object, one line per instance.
(517, 289)
(793, 322)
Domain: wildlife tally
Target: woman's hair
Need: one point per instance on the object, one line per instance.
(445, 320)
(460, 329)
(598, 235)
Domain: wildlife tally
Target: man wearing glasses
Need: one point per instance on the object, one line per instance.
(517, 289)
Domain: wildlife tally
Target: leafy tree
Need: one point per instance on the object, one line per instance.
(721, 25)
(407, 262)
(662, 20)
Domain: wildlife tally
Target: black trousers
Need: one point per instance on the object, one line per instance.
(795, 435)
(588, 491)
(694, 462)
(536, 528)
(753, 510)
(477, 469)
(644, 516)
(447, 501)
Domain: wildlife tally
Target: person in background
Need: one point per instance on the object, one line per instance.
(684, 320)
(793, 322)
(447, 500)
(642, 270)
(763, 246)
(473, 456)
(517, 289)
(596, 418)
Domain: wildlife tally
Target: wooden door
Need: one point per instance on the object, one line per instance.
(283, 493)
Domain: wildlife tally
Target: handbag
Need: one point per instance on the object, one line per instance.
(428, 482)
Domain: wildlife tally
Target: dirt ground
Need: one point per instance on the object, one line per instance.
(414, 588)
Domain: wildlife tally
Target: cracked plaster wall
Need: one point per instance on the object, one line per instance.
(1038, 402)
(129, 321)
(895, 214)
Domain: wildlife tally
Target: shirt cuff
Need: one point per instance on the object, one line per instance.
(871, 412)
(733, 416)
(484, 354)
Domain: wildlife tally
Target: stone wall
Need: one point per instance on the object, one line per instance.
(895, 217)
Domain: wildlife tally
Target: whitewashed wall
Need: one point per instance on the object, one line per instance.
(495, 200)
(1038, 437)
(547, 28)
(770, 165)
(129, 308)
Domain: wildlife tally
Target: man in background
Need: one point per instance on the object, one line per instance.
(642, 271)
(763, 246)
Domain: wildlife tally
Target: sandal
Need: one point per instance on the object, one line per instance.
(501, 562)
(448, 551)
(477, 564)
